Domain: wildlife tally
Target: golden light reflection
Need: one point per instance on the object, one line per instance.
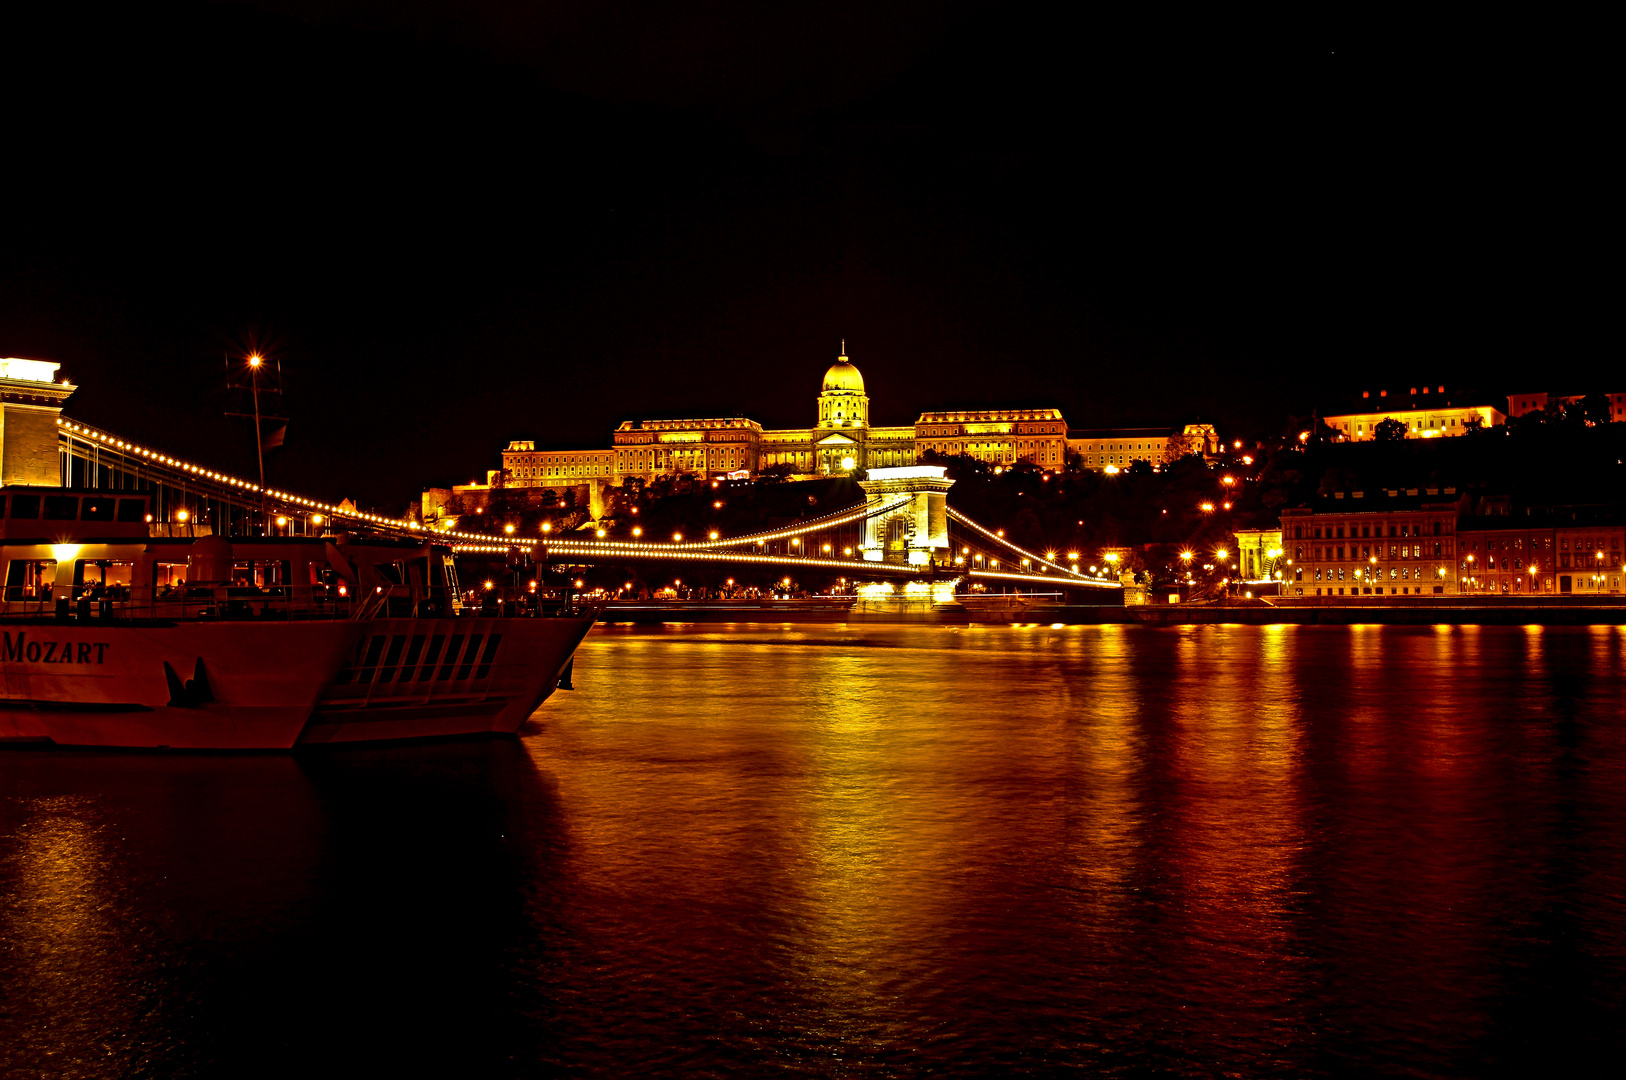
(62, 929)
(1235, 812)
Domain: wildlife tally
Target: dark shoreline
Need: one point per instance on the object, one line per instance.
(1555, 612)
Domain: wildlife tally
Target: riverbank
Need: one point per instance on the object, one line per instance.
(1426, 611)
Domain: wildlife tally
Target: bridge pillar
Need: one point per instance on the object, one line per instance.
(31, 399)
(915, 532)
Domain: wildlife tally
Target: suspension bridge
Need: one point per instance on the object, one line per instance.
(904, 530)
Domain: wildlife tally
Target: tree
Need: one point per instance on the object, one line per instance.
(960, 466)
(774, 474)
(1389, 430)
(1597, 408)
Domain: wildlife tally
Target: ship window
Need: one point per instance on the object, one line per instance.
(2, 506)
(468, 657)
(431, 656)
(132, 510)
(272, 577)
(374, 648)
(30, 579)
(25, 506)
(103, 573)
(97, 509)
(452, 650)
(61, 507)
(167, 575)
(412, 657)
(393, 657)
(485, 660)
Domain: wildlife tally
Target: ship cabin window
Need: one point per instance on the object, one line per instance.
(25, 506)
(30, 579)
(96, 578)
(394, 573)
(97, 508)
(61, 507)
(268, 578)
(2, 506)
(132, 510)
(167, 577)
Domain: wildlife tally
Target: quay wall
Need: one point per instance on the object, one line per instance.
(1552, 612)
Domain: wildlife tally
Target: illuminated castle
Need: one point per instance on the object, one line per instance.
(842, 442)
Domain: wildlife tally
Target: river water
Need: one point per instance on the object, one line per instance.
(868, 851)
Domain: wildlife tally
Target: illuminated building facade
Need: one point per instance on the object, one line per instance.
(1259, 555)
(1520, 404)
(1393, 543)
(1427, 412)
(1116, 448)
(1410, 543)
(1587, 558)
(997, 436)
(842, 441)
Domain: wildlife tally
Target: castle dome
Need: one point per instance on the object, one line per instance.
(843, 376)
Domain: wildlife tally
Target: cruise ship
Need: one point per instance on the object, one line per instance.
(112, 637)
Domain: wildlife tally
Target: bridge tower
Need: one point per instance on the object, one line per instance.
(31, 399)
(917, 531)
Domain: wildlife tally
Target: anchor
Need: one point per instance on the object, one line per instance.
(192, 693)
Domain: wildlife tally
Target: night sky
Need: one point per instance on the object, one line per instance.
(456, 225)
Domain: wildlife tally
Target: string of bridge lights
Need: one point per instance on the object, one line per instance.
(1000, 538)
(829, 521)
(101, 439)
(480, 543)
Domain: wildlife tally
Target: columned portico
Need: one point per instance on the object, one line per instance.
(916, 532)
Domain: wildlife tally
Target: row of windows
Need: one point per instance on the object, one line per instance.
(1404, 590)
(1357, 532)
(1396, 573)
(1367, 551)
(1415, 425)
(72, 508)
(1597, 560)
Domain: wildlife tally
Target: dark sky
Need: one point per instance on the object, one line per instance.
(457, 225)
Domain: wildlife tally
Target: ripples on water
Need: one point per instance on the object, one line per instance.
(868, 851)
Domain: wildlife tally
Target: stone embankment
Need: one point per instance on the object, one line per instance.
(1426, 611)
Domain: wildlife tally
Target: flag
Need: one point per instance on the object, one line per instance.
(273, 438)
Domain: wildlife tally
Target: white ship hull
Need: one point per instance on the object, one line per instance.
(248, 685)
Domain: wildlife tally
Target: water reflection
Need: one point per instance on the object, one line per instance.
(828, 850)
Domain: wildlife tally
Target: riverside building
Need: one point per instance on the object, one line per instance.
(1432, 543)
(1384, 543)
